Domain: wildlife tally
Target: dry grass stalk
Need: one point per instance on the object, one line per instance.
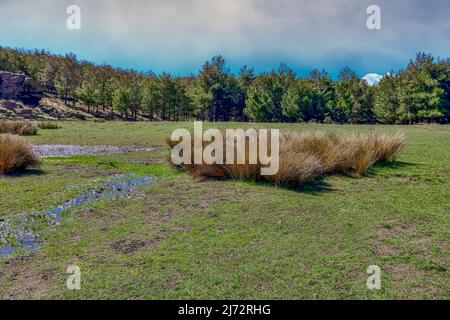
(15, 154)
(306, 156)
(23, 128)
(48, 125)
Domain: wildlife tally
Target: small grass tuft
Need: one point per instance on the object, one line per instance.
(48, 125)
(15, 154)
(23, 128)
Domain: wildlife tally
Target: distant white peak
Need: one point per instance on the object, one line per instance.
(372, 78)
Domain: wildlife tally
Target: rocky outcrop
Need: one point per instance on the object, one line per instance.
(11, 84)
(19, 86)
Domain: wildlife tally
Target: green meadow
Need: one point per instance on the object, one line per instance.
(186, 239)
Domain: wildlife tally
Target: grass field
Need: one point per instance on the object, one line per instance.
(184, 239)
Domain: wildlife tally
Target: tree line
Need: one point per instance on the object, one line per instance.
(420, 93)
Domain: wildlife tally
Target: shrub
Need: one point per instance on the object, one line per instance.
(306, 156)
(48, 125)
(23, 128)
(15, 154)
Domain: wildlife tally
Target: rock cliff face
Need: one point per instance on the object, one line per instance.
(11, 84)
(18, 86)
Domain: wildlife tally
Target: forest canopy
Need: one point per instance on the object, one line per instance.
(420, 93)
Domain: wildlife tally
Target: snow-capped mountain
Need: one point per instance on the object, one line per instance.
(372, 78)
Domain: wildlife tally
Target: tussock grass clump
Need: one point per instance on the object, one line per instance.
(306, 156)
(48, 125)
(348, 153)
(15, 154)
(23, 128)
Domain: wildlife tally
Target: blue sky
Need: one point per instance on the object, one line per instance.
(179, 35)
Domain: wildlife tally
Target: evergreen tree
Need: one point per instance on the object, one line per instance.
(152, 98)
(421, 94)
(259, 104)
(298, 102)
(386, 102)
(213, 78)
(121, 100)
(67, 78)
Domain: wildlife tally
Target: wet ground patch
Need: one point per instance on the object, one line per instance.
(62, 150)
(20, 234)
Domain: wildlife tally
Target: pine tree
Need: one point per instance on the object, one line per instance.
(259, 104)
(67, 78)
(386, 102)
(298, 102)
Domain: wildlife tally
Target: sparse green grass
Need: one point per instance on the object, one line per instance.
(212, 239)
(155, 133)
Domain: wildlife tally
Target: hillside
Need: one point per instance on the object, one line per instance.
(50, 108)
(22, 98)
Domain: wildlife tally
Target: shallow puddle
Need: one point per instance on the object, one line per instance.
(61, 150)
(22, 233)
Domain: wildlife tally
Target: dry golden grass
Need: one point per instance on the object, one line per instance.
(306, 156)
(15, 154)
(48, 125)
(345, 154)
(23, 128)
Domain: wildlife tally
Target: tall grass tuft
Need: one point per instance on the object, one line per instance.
(306, 156)
(15, 154)
(23, 128)
(48, 125)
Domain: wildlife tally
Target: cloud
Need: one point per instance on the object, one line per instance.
(179, 35)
